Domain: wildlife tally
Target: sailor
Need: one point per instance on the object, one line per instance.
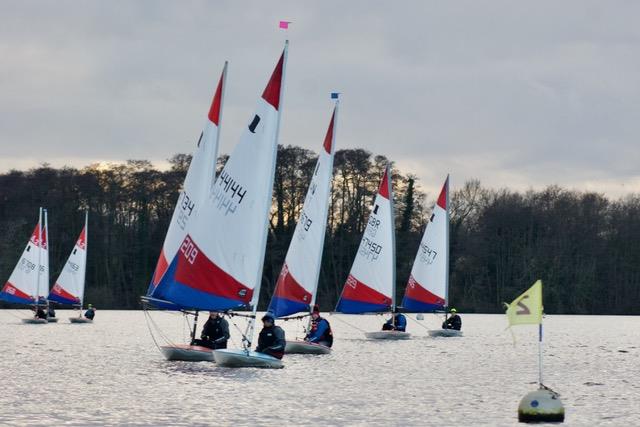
(90, 313)
(320, 332)
(271, 340)
(215, 332)
(51, 312)
(397, 322)
(40, 314)
(453, 322)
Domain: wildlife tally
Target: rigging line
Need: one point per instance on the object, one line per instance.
(349, 324)
(159, 330)
(244, 338)
(146, 316)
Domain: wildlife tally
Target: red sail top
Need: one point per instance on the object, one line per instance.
(442, 199)
(383, 190)
(271, 93)
(214, 111)
(328, 139)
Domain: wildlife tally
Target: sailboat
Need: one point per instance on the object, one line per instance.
(297, 284)
(197, 187)
(371, 285)
(26, 284)
(428, 286)
(69, 287)
(219, 263)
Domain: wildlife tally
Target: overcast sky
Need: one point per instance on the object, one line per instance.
(515, 93)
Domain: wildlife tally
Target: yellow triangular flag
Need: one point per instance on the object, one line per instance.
(527, 308)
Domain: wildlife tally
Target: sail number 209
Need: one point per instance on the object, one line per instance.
(189, 250)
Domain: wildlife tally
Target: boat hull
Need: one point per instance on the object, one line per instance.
(35, 321)
(445, 333)
(80, 320)
(231, 358)
(303, 347)
(187, 353)
(52, 320)
(388, 335)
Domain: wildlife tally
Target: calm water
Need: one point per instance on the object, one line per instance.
(110, 372)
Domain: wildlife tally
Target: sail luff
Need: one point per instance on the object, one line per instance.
(334, 119)
(447, 250)
(258, 285)
(393, 240)
(86, 249)
(37, 296)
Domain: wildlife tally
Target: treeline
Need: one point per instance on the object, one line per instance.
(584, 246)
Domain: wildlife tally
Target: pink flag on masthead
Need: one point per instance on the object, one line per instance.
(285, 25)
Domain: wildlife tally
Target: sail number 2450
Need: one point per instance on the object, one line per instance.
(189, 250)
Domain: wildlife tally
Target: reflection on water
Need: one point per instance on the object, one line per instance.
(110, 372)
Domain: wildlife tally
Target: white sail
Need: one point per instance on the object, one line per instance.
(428, 286)
(298, 281)
(370, 285)
(197, 184)
(26, 279)
(219, 263)
(69, 287)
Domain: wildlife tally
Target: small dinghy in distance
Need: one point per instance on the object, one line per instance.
(428, 287)
(370, 287)
(26, 284)
(69, 287)
(197, 186)
(297, 285)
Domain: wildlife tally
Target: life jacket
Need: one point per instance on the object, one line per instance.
(328, 334)
(213, 328)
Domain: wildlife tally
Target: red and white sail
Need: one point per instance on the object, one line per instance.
(298, 281)
(27, 284)
(428, 286)
(219, 262)
(370, 286)
(197, 184)
(69, 287)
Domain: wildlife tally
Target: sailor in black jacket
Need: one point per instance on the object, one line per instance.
(271, 340)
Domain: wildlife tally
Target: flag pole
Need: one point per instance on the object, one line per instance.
(540, 354)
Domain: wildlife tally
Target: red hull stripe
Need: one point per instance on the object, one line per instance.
(442, 199)
(288, 288)
(214, 111)
(328, 139)
(357, 291)
(198, 272)
(417, 292)
(271, 93)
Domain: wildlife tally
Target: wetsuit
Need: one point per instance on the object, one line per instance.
(453, 322)
(40, 314)
(52, 312)
(400, 323)
(90, 314)
(320, 332)
(271, 341)
(215, 333)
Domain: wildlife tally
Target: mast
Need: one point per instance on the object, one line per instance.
(195, 325)
(46, 238)
(324, 230)
(256, 293)
(446, 254)
(86, 249)
(393, 242)
(37, 301)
